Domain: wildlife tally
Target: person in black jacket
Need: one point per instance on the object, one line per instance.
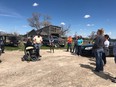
(29, 42)
(29, 45)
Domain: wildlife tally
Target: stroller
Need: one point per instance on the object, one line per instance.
(30, 53)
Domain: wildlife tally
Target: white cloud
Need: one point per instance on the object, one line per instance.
(87, 16)
(62, 23)
(35, 4)
(90, 25)
(6, 12)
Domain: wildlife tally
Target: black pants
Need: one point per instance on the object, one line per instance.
(2, 47)
(104, 58)
(78, 50)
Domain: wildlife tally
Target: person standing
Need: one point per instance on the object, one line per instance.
(75, 45)
(37, 43)
(98, 50)
(106, 49)
(69, 44)
(2, 44)
(51, 42)
(79, 44)
(114, 51)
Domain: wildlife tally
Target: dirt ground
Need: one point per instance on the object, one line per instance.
(59, 69)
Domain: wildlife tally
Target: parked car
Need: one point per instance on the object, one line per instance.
(59, 42)
(86, 50)
(12, 40)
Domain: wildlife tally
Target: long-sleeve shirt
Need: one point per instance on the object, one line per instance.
(99, 42)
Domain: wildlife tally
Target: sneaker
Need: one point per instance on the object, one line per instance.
(40, 56)
(114, 80)
(96, 70)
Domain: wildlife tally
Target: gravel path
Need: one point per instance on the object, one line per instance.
(59, 69)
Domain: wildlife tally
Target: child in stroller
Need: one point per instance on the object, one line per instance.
(30, 51)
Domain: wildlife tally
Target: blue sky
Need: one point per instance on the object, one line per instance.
(84, 16)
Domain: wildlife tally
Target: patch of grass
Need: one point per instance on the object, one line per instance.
(45, 47)
(12, 48)
(21, 47)
(9, 48)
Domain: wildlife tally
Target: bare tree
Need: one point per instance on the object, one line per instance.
(46, 20)
(35, 21)
(64, 29)
(92, 35)
(15, 33)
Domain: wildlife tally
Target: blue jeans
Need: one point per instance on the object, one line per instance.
(99, 61)
(37, 47)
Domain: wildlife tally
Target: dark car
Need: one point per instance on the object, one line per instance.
(11, 40)
(59, 42)
(86, 50)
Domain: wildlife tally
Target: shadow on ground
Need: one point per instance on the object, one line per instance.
(104, 75)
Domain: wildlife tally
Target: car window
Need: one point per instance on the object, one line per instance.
(55, 37)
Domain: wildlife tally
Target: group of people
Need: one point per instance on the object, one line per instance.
(101, 50)
(35, 42)
(77, 45)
